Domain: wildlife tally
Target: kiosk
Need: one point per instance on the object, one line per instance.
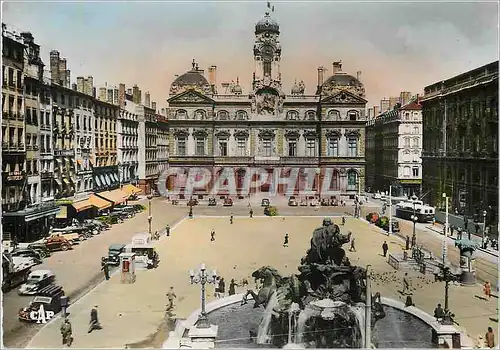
(127, 266)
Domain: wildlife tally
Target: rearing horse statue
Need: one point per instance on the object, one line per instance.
(270, 279)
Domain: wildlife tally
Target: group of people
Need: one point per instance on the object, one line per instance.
(66, 328)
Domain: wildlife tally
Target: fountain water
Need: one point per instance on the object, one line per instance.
(263, 332)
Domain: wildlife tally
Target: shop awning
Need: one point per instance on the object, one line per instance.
(82, 205)
(116, 196)
(98, 202)
(63, 212)
(131, 189)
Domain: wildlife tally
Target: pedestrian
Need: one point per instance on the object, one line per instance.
(466, 221)
(385, 248)
(232, 287)
(451, 230)
(490, 338)
(476, 226)
(456, 211)
(212, 235)
(413, 240)
(231, 218)
(285, 243)
(407, 247)
(352, 247)
(105, 267)
(171, 296)
(409, 301)
(190, 212)
(406, 284)
(66, 333)
(459, 233)
(487, 289)
(343, 220)
(168, 230)
(433, 221)
(438, 312)
(251, 213)
(94, 320)
(222, 288)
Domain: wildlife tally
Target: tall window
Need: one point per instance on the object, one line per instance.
(407, 142)
(292, 147)
(415, 172)
(352, 147)
(242, 146)
(333, 147)
(266, 146)
(352, 180)
(200, 146)
(223, 147)
(181, 146)
(406, 171)
(415, 142)
(311, 147)
(267, 68)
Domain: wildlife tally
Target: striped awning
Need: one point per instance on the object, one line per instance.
(82, 205)
(99, 202)
(116, 196)
(131, 189)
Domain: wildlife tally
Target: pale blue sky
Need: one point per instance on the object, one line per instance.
(398, 46)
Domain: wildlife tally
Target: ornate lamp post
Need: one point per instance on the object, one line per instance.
(390, 210)
(414, 218)
(318, 172)
(447, 278)
(484, 226)
(202, 278)
(150, 217)
(445, 244)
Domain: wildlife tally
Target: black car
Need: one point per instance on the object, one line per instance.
(265, 202)
(212, 202)
(41, 249)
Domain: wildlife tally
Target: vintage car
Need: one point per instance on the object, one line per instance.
(27, 253)
(192, 202)
(71, 235)
(212, 202)
(265, 202)
(303, 203)
(37, 280)
(325, 202)
(54, 243)
(40, 248)
(49, 297)
(228, 202)
(292, 202)
(114, 252)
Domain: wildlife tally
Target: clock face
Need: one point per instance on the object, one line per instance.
(267, 53)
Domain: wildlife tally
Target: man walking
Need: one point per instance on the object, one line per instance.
(231, 218)
(406, 284)
(105, 267)
(385, 248)
(438, 312)
(285, 243)
(171, 296)
(466, 222)
(343, 220)
(94, 320)
(251, 213)
(168, 230)
(476, 226)
(66, 333)
(352, 248)
(232, 287)
(451, 230)
(413, 240)
(490, 338)
(407, 246)
(212, 235)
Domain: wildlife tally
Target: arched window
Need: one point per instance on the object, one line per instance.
(200, 114)
(335, 182)
(292, 115)
(352, 180)
(181, 114)
(241, 115)
(333, 115)
(223, 115)
(406, 171)
(310, 115)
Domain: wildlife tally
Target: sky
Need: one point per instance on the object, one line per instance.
(398, 46)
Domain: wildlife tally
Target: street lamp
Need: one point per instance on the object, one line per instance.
(414, 218)
(484, 226)
(390, 210)
(318, 172)
(150, 217)
(202, 278)
(447, 278)
(445, 247)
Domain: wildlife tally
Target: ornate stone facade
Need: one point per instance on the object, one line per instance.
(267, 127)
(460, 151)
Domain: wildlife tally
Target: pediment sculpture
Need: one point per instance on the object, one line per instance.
(310, 134)
(223, 133)
(266, 134)
(333, 133)
(200, 132)
(241, 133)
(180, 132)
(352, 133)
(292, 134)
(190, 96)
(266, 103)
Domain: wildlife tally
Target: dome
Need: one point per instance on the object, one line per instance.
(267, 24)
(189, 80)
(343, 79)
(237, 89)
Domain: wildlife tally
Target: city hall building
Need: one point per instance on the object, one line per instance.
(269, 127)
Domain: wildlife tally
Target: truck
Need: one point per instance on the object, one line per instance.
(15, 271)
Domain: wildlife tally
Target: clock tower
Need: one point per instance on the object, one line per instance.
(267, 54)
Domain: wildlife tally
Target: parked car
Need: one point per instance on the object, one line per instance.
(228, 202)
(114, 252)
(28, 253)
(292, 202)
(212, 202)
(41, 249)
(54, 243)
(192, 202)
(265, 202)
(49, 296)
(325, 202)
(37, 280)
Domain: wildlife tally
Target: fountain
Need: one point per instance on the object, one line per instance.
(325, 306)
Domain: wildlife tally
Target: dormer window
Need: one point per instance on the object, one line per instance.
(353, 115)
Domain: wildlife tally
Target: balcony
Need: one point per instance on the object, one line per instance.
(64, 152)
(234, 160)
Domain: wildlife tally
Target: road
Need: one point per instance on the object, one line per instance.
(78, 270)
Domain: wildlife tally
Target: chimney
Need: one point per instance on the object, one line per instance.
(404, 97)
(147, 99)
(337, 67)
(140, 96)
(94, 92)
(54, 66)
(135, 95)
(80, 84)
(370, 113)
(212, 75)
(121, 95)
(358, 75)
(102, 94)
(90, 85)
(321, 75)
(376, 111)
(62, 72)
(74, 86)
(129, 91)
(68, 78)
(153, 106)
(384, 105)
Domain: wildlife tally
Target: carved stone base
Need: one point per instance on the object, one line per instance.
(468, 278)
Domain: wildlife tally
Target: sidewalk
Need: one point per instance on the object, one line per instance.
(132, 313)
